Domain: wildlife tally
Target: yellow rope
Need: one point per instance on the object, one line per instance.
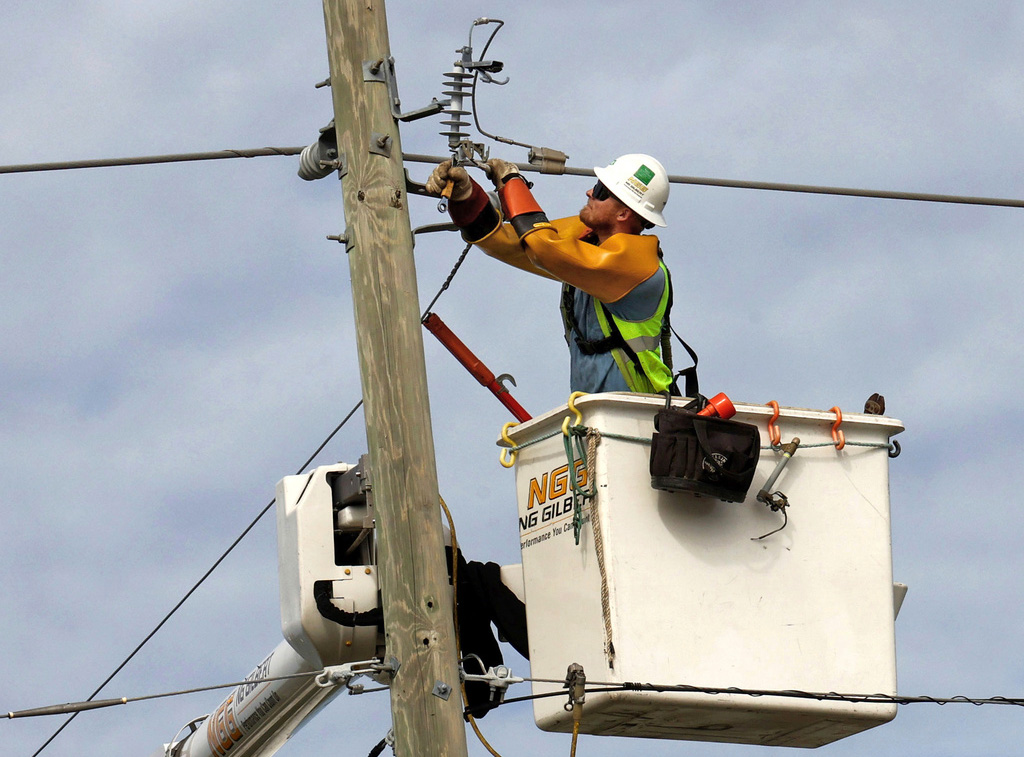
(577, 717)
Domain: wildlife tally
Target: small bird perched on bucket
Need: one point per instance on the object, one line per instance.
(875, 405)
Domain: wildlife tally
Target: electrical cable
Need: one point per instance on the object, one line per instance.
(97, 704)
(472, 90)
(731, 183)
(447, 282)
(609, 687)
(881, 194)
(150, 159)
(568, 170)
(199, 583)
(379, 748)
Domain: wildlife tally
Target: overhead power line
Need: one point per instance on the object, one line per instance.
(779, 187)
(150, 159)
(593, 688)
(831, 696)
(99, 704)
(773, 186)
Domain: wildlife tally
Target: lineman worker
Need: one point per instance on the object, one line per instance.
(616, 296)
(616, 291)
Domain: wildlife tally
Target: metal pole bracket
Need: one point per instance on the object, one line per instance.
(383, 70)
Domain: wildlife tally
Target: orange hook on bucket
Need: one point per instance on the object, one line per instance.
(774, 435)
(837, 435)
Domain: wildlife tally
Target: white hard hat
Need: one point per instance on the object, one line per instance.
(640, 182)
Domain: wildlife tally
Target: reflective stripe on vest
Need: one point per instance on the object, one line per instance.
(643, 343)
(647, 373)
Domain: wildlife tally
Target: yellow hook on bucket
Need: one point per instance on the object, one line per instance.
(507, 457)
(572, 406)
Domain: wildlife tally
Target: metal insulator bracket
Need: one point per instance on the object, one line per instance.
(415, 187)
(383, 70)
(487, 67)
(474, 153)
(386, 671)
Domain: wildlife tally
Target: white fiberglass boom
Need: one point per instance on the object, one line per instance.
(258, 718)
(328, 582)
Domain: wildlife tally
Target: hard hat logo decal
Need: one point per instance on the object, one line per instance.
(638, 182)
(644, 174)
(635, 186)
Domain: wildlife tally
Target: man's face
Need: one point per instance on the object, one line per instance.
(600, 214)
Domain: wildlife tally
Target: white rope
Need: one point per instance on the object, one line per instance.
(593, 438)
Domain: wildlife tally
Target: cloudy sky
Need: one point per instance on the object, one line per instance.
(176, 338)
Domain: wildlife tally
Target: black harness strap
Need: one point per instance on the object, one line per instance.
(592, 346)
(692, 386)
(615, 340)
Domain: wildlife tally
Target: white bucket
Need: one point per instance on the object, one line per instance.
(693, 597)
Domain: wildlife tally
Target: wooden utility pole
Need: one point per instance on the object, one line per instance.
(425, 701)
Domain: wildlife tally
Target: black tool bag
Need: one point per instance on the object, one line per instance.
(702, 455)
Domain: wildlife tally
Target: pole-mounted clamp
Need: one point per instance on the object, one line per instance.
(381, 672)
(497, 678)
(575, 682)
(550, 161)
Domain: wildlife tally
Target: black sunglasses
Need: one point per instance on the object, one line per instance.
(600, 192)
